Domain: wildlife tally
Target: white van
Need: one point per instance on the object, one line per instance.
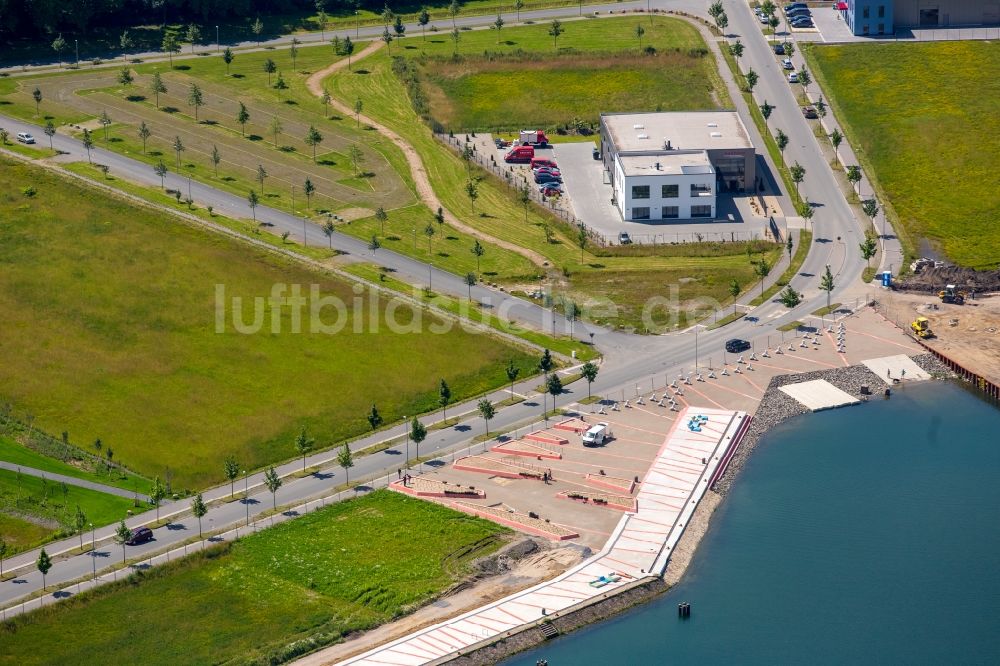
(24, 137)
(597, 435)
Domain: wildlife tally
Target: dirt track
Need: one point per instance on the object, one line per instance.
(424, 190)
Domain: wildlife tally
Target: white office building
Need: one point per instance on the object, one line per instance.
(671, 166)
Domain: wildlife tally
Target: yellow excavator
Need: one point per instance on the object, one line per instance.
(921, 327)
(951, 294)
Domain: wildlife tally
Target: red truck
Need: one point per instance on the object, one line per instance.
(521, 154)
(533, 138)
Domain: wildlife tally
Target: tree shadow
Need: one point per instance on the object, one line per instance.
(182, 68)
(435, 463)
(176, 527)
(169, 109)
(136, 98)
(239, 76)
(254, 137)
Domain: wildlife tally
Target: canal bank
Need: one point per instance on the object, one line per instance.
(865, 534)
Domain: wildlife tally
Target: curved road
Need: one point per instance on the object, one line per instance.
(628, 360)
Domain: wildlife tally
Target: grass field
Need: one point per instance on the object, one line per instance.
(271, 596)
(53, 505)
(110, 334)
(923, 120)
(18, 454)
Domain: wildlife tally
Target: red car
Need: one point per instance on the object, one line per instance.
(543, 162)
(551, 192)
(547, 170)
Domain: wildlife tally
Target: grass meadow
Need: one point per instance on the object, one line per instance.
(13, 452)
(110, 334)
(270, 596)
(923, 120)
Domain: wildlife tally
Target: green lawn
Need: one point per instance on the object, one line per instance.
(488, 94)
(923, 120)
(20, 534)
(54, 504)
(110, 333)
(270, 597)
(81, 467)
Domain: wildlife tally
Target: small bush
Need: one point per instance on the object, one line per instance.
(29, 191)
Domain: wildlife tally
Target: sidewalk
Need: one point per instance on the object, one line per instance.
(71, 481)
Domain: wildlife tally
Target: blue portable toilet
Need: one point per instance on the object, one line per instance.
(886, 279)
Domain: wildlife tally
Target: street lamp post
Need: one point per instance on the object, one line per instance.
(93, 555)
(246, 493)
(218, 46)
(407, 440)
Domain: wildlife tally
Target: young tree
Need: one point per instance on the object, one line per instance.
(36, 94)
(88, 143)
(59, 45)
(157, 491)
(381, 216)
(313, 139)
(252, 201)
(429, 231)
(374, 418)
(279, 83)
(472, 191)
(198, 509)
(374, 244)
(868, 247)
(79, 522)
(44, 563)
(512, 373)
(387, 15)
(765, 110)
(216, 158)
(806, 211)
(826, 284)
(554, 386)
(439, 215)
(734, 291)
(157, 86)
(398, 27)
(453, 10)
(346, 460)
(487, 411)
(639, 32)
(160, 169)
(497, 25)
(752, 78)
(470, 282)
(581, 239)
(782, 140)
(261, 176)
(178, 149)
(195, 99)
(870, 207)
(348, 50)
(444, 397)
(423, 20)
(762, 268)
(356, 156)
(308, 189)
(854, 177)
(121, 536)
(50, 131)
(804, 78)
(387, 38)
(171, 46)
(418, 433)
(789, 49)
(789, 297)
(126, 43)
(293, 51)
(524, 196)
(555, 29)
(821, 107)
(3, 554)
(722, 22)
(227, 57)
(798, 174)
(589, 371)
(358, 105)
(518, 6)
(232, 470)
(257, 27)
(242, 117)
(326, 103)
(303, 445)
(144, 134)
(545, 363)
(479, 251)
(276, 128)
(193, 35)
(273, 482)
(321, 18)
(105, 121)
(737, 50)
(774, 22)
(789, 245)
(270, 67)
(328, 229)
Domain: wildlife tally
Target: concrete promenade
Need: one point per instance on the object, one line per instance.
(693, 453)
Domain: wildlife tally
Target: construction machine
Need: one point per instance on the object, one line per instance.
(921, 327)
(951, 294)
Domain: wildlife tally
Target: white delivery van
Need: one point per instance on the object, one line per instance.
(598, 435)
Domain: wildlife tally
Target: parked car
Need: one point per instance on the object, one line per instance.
(802, 23)
(809, 112)
(779, 49)
(794, 5)
(537, 162)
(799, 16)
(597, 153)
(501, 143)
(24, 137)
(787, 63)
(547, 178)
(763, 19)
(139, 535)
(735, 346)
(624, 239)
(793, 77)
(551, 190)
(549, 172)
(795, 11)
(554, 186)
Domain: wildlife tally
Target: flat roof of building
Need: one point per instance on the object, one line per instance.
(672, 163)
(690, 130)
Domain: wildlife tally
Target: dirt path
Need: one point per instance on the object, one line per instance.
(424, 190)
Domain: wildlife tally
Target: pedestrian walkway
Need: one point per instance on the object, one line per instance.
(71, 480)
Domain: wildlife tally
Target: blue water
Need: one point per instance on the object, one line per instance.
(868, 534)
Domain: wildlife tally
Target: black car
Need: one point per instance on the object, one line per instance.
(140, 535)
(779, 49)
(735, 346)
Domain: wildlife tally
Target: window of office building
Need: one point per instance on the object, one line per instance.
(700, 211)
(881, 11)
(671, 212)
(698, 190)
(641, 213)
(640, 191)
(671, 192)
(881, 28)
(864, 29)
(865, 12)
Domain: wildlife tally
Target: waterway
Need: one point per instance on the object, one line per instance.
(869, 534)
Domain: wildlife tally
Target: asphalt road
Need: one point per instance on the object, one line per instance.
(629, 361)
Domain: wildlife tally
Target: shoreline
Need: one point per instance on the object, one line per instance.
(775, 408)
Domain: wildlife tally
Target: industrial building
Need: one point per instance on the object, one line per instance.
(884, 17)
(671, 166)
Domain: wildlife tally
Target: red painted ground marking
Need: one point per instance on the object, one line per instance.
(843, 357)
(462, 637)
(812, 360)
(752, 382)
(505, 625)
(632, 529)
(634, 441)
(623, 536)
(776, 367)
(432, 648)
(633, 550)
(595, 452)
(692, 388)
(877, 337)
(404, 653)
(726, 388)
(440, 639)
(501, 608)
(617, 561)
(662, 503)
